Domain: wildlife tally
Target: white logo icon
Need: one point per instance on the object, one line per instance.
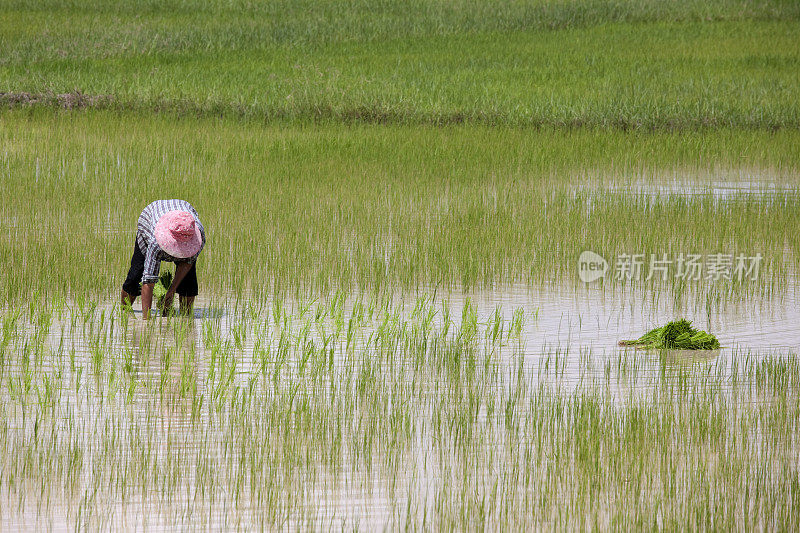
(591, 266)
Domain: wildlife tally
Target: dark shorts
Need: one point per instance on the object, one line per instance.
(132, 285)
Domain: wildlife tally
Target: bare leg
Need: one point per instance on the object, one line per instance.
(126, 299)
(187, 303)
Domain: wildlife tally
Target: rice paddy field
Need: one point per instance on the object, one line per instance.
(429, 225)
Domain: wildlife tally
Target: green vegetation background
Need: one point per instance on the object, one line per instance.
(372, 206)
(659, 89)
(625, 63)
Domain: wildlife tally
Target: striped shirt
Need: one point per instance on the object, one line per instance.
(146, 236)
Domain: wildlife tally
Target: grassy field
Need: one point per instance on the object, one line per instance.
(633, 64)
(375, 207)
(364, 169)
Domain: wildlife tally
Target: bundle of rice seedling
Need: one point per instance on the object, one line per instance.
(160, 289)
(676, 335)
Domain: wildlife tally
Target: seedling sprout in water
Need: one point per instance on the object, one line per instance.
(160, 289)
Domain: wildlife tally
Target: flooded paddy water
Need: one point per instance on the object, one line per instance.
(366, 412)
(512, 407)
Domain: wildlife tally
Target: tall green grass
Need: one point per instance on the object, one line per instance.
(149, 26)
(373, 207)
(634, 64)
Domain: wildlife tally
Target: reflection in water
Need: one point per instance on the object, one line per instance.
(164, 350)
(350, 412)
(717, 185)
(556, 318)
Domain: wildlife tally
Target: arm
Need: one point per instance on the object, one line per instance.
(181, 269)
(149, 278)
(147, 299)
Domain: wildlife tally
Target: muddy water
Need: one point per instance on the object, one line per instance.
(573, 323)
(720, 191)
(578, 322)
(721, 185)
(569, 319)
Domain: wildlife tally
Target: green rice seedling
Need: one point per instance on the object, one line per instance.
(675, 335)
(478, 241)
(517, 323)
(160, 290)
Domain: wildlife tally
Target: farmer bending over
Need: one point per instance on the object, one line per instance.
(168, 230)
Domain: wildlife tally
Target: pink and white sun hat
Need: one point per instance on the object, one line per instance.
(178, 235)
